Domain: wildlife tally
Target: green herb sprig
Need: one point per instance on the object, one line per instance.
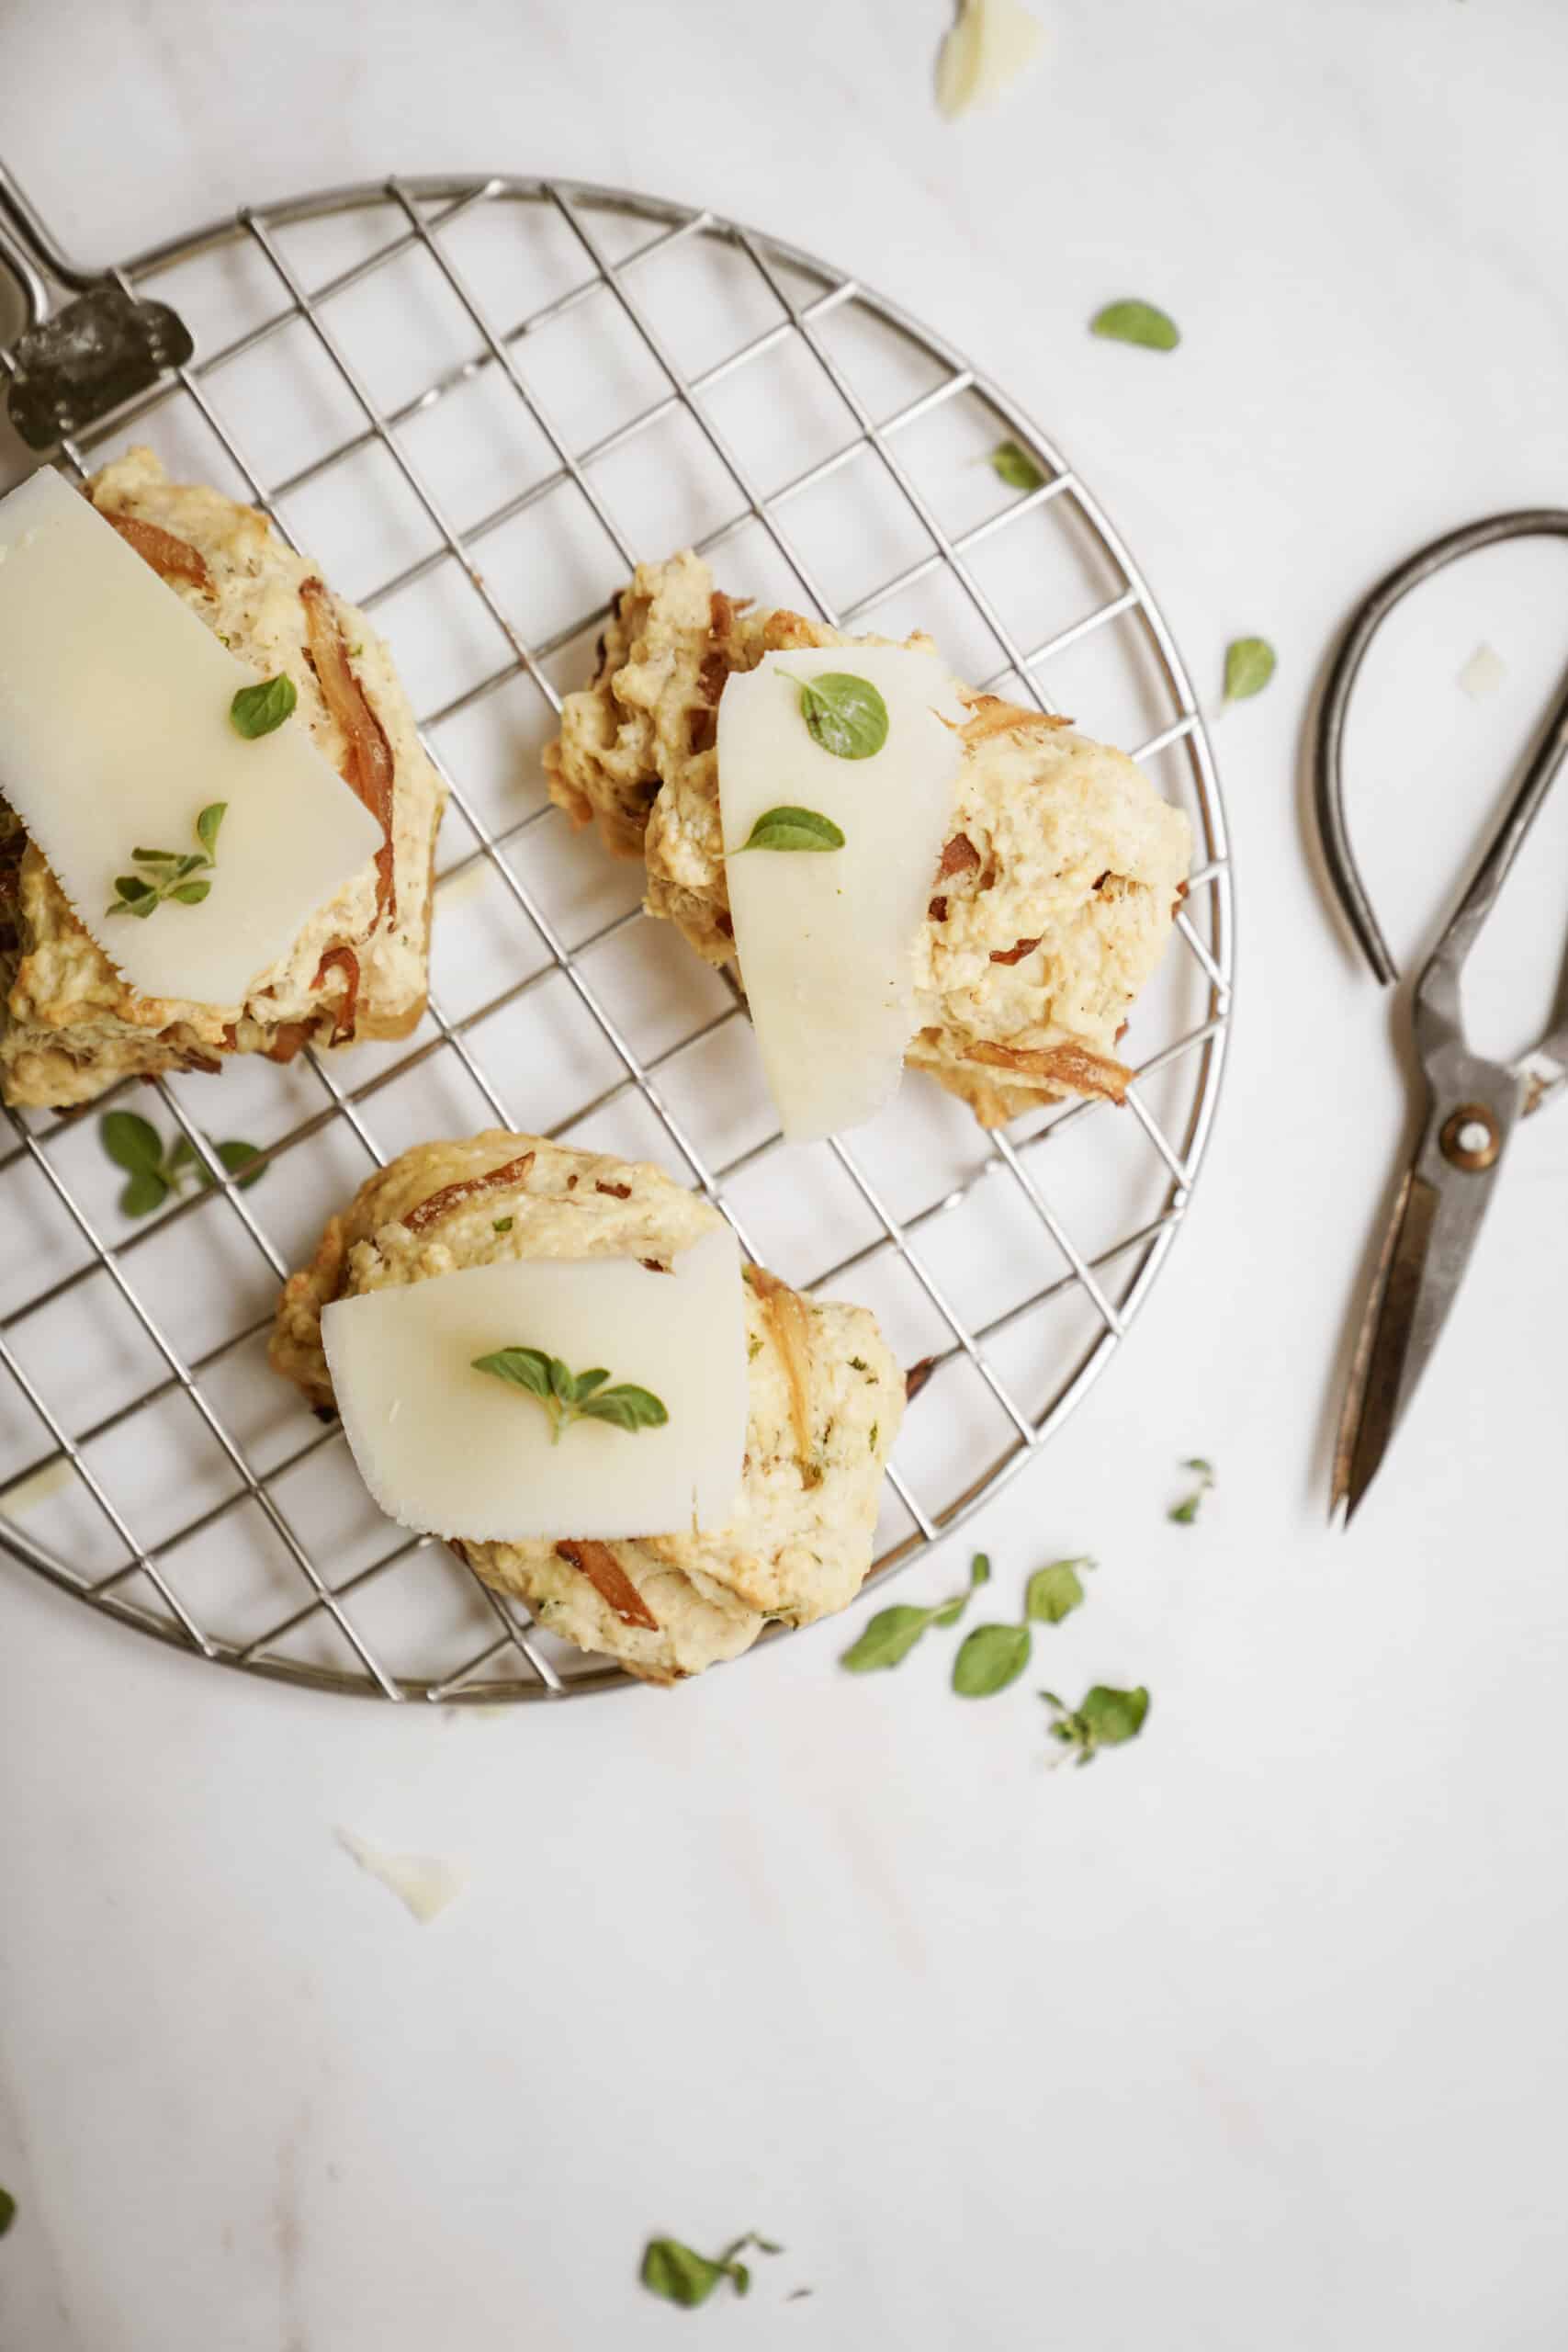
(155, 1173)
(893, 1633)
(256, 710)
(568, 1397)
(1249, 665)
(1137, 321)
(792, 829)
(1103, 1718)
(1183, 1513)
(673, 2271)
(846, 715)
(171, 873)
(992, 1656)
(7, 2210)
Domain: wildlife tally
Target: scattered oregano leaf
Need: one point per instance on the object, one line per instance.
(1249, 665)
(170, 874)
(1134, 322)
(501, 1224)
(1104, 1718)
(1016, 467)
(846, 715)
(1184, 1512)
(7, 2210)
(574, 1396)
(989, 1658)
(893, 1633)
(792, 829)
(135, 1144)
(673, 2271)
(256, 710)
(1054, 1592)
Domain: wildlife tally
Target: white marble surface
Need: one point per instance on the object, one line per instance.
(1250, 2036)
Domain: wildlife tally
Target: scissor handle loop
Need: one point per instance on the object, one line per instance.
(1539, 522)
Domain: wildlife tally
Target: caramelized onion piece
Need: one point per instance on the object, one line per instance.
(994, 717)
(1016, 953)
(288, 1041)
(959, 856)
(1071, 1065)
(457, 1197)
(368, 768)
(170, 557)
(785, 1314)
(347, 963)
(610, 1581)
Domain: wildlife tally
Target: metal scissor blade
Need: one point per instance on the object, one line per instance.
(1425, 1252)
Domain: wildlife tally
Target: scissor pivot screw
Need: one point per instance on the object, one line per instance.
(1469, 1139)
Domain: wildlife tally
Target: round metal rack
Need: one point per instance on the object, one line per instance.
(480, 403)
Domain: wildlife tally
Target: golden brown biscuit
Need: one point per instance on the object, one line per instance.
(826, 1398)
(69, 1026)
(1052, 902)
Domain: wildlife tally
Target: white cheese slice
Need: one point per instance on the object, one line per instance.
(423, 1883)
(454, 1451)
(991, 44)
(114, 734)
(825, 939)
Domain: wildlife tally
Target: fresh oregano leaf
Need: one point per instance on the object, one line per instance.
(846, 715)
(1249, 665)
(888, 1640)
(1054, 1592)
(1104, 1718)
(1135, 322)
(501, 1224)
(236, 1157)
(147, 1190)
(989, 1658)
(132, 1143)
(1016, 467)
(672, 2270)
(7, 2210)
(527, 1368)
(625, 1407)
(191, 894)
(1184, 1512)
(792, 829)
(209, 823)
(256, 710)
(567, 1399)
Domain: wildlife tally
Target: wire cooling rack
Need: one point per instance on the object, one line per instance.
(480, 402)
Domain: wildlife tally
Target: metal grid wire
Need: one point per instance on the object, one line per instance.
(511, 1659)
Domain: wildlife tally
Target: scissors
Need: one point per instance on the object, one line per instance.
(1472, 1107)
